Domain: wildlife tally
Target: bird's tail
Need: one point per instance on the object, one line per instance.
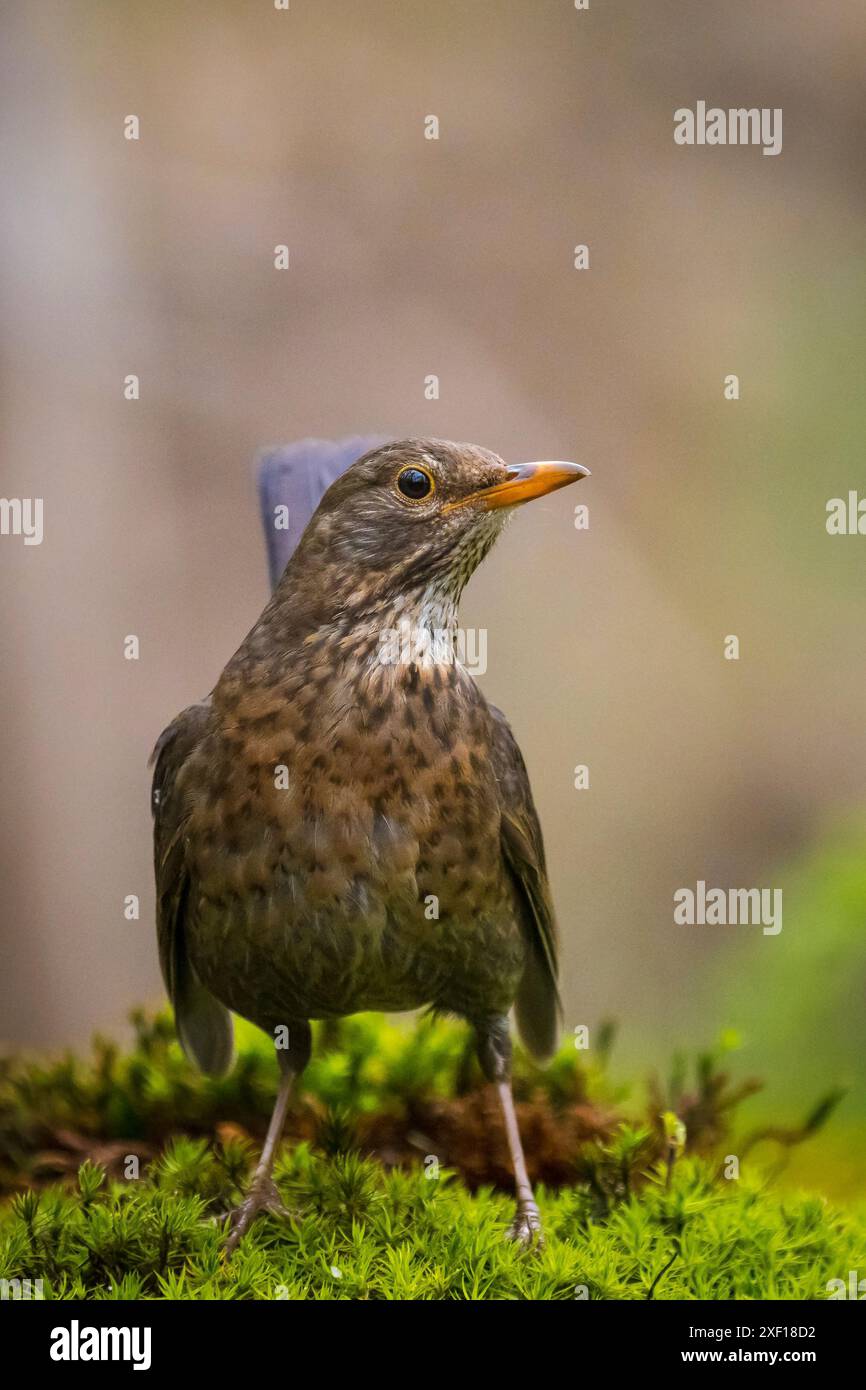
(292, 480)
(203, 1024)
(537, 1008)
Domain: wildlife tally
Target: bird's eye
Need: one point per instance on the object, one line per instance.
(415, 483)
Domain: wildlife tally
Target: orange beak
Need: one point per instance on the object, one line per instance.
(524, 482)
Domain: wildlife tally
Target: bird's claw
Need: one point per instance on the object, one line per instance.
(525, 1229)
(263, 1196)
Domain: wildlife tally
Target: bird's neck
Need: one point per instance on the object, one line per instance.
(367, 619)
(417, 628)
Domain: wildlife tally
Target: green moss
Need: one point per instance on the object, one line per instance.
(637, 1207)
(364, 1232)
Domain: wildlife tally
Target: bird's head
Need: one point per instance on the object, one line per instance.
(409, 522)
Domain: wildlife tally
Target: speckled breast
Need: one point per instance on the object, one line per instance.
(346, 854)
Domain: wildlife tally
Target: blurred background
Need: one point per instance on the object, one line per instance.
(411, 257)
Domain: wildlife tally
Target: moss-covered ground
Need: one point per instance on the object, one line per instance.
(118, 1170)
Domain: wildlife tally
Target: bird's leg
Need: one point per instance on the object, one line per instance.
(526, 1226)
(494, 1053)
(263, 1194)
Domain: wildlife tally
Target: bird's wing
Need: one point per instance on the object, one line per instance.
(537, 1006)
(203, 1024)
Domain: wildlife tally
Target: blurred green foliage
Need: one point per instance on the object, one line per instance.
(372, 1083)
(797, 1002)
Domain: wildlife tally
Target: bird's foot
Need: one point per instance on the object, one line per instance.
(526, 1226)
(262, 1197)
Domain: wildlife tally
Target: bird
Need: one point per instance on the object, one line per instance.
(292, 479)
(335, 787)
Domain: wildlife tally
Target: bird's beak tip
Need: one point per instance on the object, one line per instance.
(529, 480)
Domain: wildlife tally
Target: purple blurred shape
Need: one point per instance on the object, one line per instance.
(297, 476)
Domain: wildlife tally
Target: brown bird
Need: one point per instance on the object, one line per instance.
(347, 823)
